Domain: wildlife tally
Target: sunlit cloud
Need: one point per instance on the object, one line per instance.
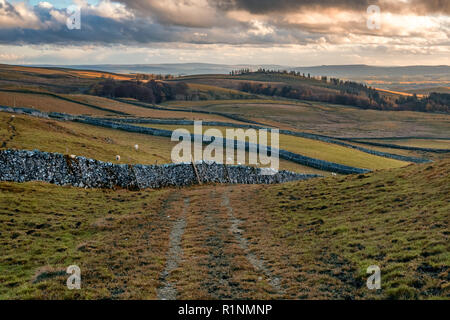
(323, 31)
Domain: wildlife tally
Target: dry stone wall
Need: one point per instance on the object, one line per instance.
(59, 169)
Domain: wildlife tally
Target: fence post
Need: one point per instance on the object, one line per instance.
(195, 171)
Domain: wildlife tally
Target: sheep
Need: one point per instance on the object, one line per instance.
(117, 158)
(136, 147)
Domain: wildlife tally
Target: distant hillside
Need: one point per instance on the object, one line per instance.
(413, 77)
(170, 68)
(361, 70)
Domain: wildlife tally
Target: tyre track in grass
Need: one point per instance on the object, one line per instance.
(219, 281)
(256, 262)
(11, 130)
(216, 264)
(167, 290)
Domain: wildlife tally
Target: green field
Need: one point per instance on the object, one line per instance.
(97, 143)
(333, 120)
(315, 149)
(419, 143)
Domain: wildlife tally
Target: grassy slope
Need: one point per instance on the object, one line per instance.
(334, 120)
(428, 155)
(142, 111)
(84, 140)
(95, 142)
(318, 236)
(317, 149)
(108, 234)
(421, 143)
(323, 234)
(46, 103)
(214, 92)
(37, 71)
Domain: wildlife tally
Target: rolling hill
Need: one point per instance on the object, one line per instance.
(299, 240)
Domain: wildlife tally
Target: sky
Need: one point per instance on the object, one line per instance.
(282, 32)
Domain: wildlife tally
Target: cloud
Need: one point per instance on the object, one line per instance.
(284, 6)
(187, 13)
(408, 25)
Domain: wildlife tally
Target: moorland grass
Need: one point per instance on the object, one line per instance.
(117, 238)
(321, 235)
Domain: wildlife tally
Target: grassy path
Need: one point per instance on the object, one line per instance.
(213, 260)
(256, 262)
(167, 291)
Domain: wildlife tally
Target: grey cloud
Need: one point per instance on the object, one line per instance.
(102, 30)
(8, 9)
(270, 6)
(149, 27)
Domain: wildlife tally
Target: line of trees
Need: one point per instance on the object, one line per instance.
(151, 91)
(149, 76)
(434, 102)
(308, 93)
(344, 92)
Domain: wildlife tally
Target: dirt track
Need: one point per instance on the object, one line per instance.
(221, 247)
(209, 255)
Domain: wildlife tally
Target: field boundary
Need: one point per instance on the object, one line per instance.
(59, 169)
(397, 146)
(57, 96)
(225, 115)
(312, 136)
(283, 154)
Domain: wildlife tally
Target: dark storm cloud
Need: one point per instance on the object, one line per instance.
(196, 22)
(94, 29)
(285, 6)
(104, 30)
(269, 6)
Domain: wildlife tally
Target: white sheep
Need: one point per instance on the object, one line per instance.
(136, 147)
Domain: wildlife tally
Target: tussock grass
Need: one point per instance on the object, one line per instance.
(85, 140)
(118, 239)
(317, 236)
(322, 234)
